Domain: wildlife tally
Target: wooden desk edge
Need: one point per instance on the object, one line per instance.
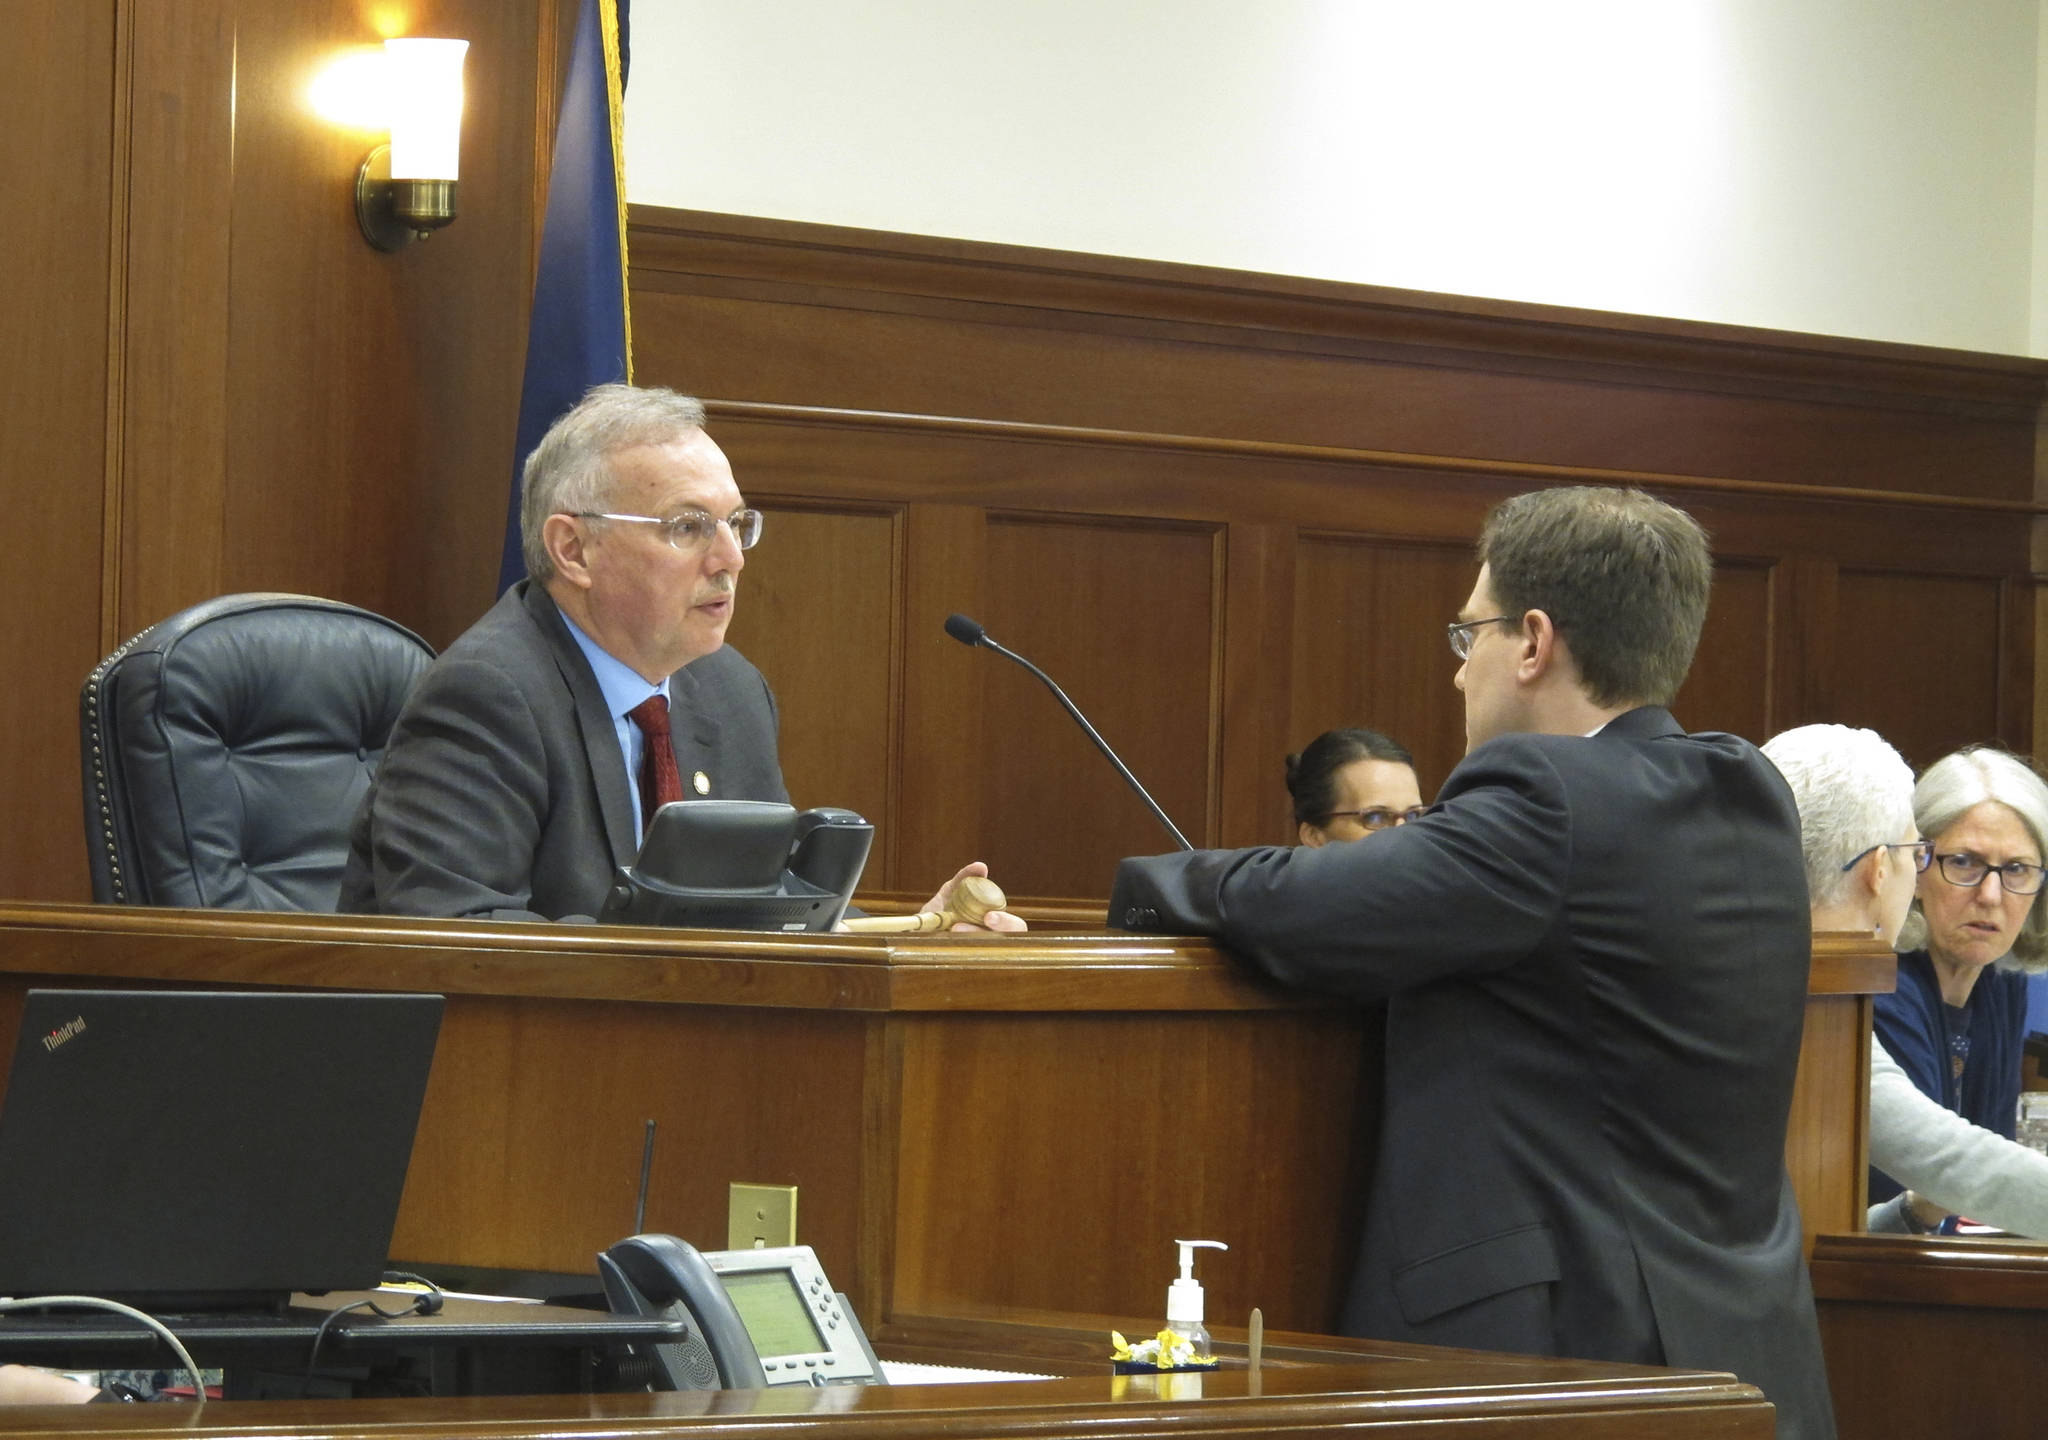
(1400, 1398)
(1995, 1272)
(1851, 963)
(942, 972)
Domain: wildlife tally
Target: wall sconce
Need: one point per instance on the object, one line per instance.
(406, 190)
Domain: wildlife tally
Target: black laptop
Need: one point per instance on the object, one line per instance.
(191, 1149)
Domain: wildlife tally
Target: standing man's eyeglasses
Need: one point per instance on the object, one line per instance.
(1923, 853)
(1460, 631)
(691, 530)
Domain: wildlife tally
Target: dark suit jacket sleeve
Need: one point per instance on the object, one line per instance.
(458, 805)
(1473, 885)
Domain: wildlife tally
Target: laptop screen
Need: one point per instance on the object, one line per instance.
(207, 1147)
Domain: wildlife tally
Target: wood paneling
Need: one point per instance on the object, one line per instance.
(1148, 1128)
(219, 386)
(1933, 1336)
(1827, 1143)
(58, 85)
(824, 315)
(1360, 608)
(825, 599)
(858, 1069)
(168, 498)
(943, 791)
(1258, 668)
(371, 396)
(1125, 617)
(1918, 658)
(978, 1124)
(491, 1175)
(1827, 1137)
(302, 412)
(1729, 687)
(1339, 445)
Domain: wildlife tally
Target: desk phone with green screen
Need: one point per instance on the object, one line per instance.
(759, 1317)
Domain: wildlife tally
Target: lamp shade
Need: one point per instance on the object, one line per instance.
(425, 97)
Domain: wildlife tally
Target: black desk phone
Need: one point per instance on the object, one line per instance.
(741, 865)
(757, 1317)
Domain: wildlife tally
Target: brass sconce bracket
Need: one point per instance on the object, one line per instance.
(394, 213)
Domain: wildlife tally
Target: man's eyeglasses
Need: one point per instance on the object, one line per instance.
(1378, 817)
(692, 530)
(1460, 631)
(1923, 853)
(2016, 877)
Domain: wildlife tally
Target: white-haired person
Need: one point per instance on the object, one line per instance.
(1863, 852)
(1957, 1022)
(1930, 1158)
(1855, 798)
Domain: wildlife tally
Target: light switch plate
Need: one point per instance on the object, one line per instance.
(759, 1216)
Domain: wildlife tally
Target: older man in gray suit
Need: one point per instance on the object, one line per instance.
(524, 768)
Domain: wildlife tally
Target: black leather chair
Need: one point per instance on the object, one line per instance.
(226, 749)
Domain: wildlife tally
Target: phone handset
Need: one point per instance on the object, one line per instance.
(661, 1275)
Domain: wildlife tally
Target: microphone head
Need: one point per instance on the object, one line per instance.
(966, 631)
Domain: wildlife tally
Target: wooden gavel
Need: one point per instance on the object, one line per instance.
(972, 899)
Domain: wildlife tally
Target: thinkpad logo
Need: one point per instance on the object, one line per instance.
(64, 1032)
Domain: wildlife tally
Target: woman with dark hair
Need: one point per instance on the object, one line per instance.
(1348, 783)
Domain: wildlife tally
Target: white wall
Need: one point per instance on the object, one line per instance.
(2039, 345)
(1851, 167)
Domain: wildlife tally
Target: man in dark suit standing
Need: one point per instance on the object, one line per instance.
(527, 761)
(1594, 950)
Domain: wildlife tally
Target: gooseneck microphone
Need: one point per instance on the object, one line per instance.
(969, 632)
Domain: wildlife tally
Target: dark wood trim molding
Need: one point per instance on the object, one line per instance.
(1019, 431)
(112, 508)
(844, 266)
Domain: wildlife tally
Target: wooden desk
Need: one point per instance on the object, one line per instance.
(1928, 1335)
(1310, 1388)
(977, 1125)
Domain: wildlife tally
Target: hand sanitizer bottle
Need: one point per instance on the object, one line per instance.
(1184, 1300)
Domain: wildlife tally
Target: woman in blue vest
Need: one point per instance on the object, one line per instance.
(1957, 1022)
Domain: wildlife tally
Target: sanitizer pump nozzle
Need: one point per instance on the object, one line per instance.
(1184, 1299)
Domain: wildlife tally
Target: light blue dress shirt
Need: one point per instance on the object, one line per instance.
(624, 688)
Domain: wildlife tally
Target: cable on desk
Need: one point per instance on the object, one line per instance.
(428, 1303)
(320, 1335)
(94, 1302)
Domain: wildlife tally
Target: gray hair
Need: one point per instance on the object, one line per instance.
(1956, 784)
(570, 470)
(1853, 792)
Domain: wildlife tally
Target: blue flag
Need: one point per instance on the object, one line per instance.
(581, 333)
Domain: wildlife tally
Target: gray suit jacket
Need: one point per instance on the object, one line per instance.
(503, 792)
(1595, 954)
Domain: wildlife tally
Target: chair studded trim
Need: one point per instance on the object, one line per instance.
(99, 803)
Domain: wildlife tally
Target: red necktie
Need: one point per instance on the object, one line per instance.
(660, 781)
